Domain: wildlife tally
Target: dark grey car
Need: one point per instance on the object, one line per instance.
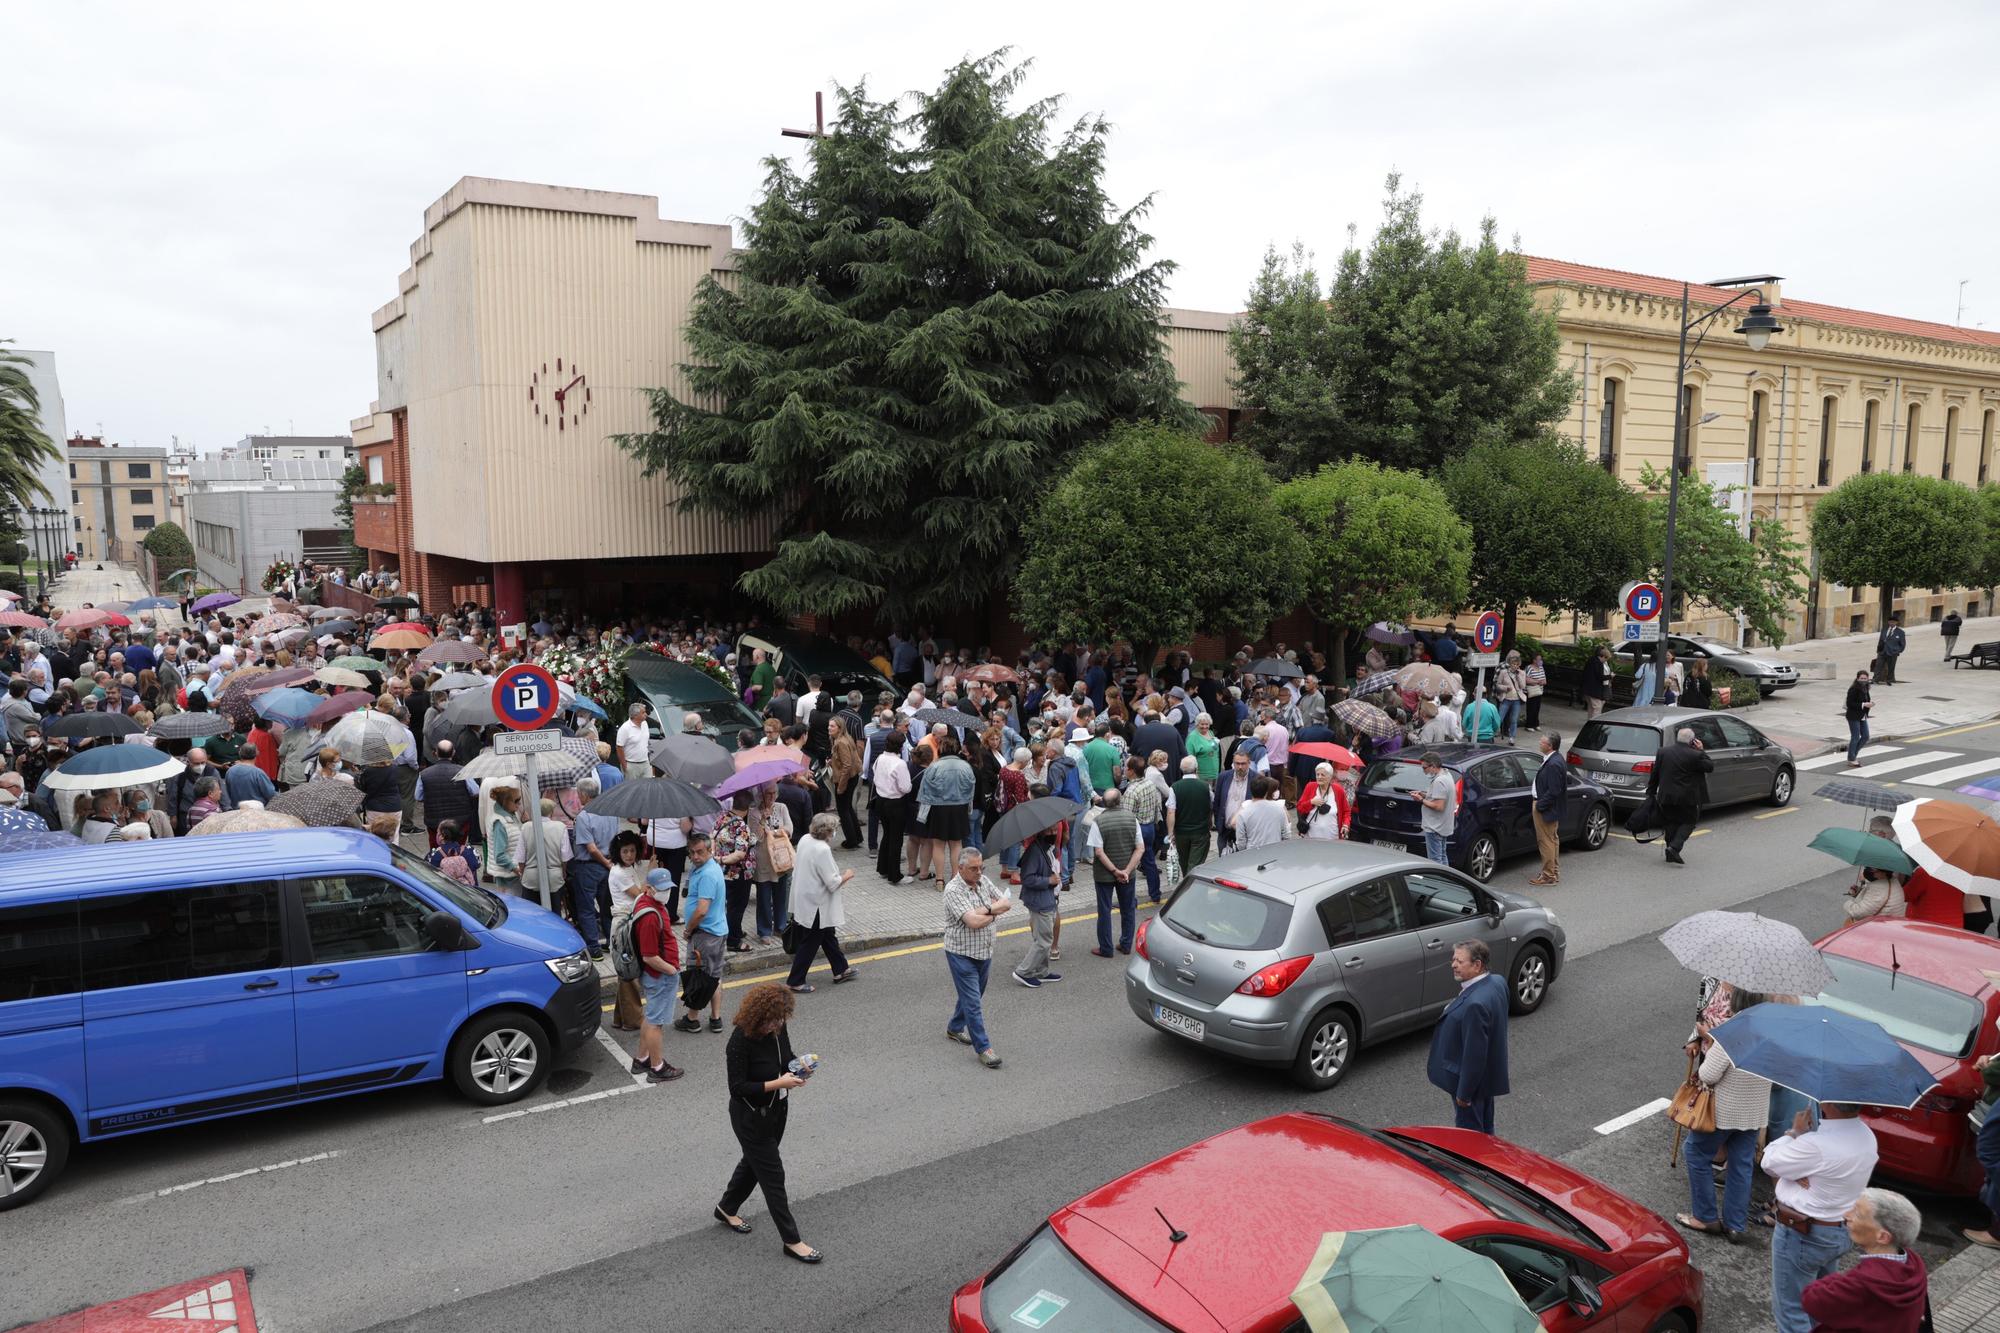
(1299, 953)
(1617, 749)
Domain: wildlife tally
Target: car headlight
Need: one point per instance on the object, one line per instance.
(571, 967)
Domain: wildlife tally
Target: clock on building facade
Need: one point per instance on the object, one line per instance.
(561, 396)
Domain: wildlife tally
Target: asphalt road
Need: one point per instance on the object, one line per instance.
(912, 1167)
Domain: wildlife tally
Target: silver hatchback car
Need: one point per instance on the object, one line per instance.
(1617, 749)
(1299, 953)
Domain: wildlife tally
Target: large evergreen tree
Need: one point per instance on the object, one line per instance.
(920, 332)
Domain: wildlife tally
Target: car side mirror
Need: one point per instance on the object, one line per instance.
(1582, 1296)
(447, 932)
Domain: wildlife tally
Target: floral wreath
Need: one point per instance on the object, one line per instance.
(277, 573)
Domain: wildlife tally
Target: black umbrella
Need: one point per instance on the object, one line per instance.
(76, 726)
(692, 758)
(1274, 666)
(1028, 818)
(336, 627)
(399, 602)
(654, 798)
(950, 717)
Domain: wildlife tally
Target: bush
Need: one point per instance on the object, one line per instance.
(13, 582)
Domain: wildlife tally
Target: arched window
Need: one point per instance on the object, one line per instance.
(1610, 427)
(1911, 425)
(1756, 457)
(1950, 441)
(1827, 407)
(1985, 445)
(1868, 434)
(1689, 440)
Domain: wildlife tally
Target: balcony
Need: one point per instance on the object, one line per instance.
(375, 522)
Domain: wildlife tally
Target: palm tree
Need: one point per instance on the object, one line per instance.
(24, 445)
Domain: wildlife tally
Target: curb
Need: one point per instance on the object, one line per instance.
(773, 961)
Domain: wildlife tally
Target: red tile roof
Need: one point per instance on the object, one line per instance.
(1542, 271)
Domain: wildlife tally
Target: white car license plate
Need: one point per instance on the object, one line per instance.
(1391, 843)
(1179, 1022)
(1613, 779)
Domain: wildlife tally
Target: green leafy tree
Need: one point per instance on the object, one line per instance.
(170, 548)
(353, 482)
(1898, 530)
(24, 445)
(920, 332)
(1986, 574)
(1381, 544)
(1428, 344)
(1154, 537)
(1759, 573)
(1549, 526)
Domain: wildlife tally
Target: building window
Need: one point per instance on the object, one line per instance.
(79, 524)
(1868, 435)
(1827, 406)
(1910, 427)
(375, 470)
(1608, 426)
(142, 497)
(1950, 442)
(139, 471)
(1985, 444)
(1690, 406)
(74, 498)
(141, 522)
(1757, 438)
(72, 472)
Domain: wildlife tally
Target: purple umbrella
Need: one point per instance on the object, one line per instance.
(215, 600)
(751, 775)
(283, 676)
(1383, 632)
(340, 705)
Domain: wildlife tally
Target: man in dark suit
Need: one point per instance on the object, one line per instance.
(1153, 734)
(1551, 786)
(1678, 789)
(1232, 788)
(1469, 1045)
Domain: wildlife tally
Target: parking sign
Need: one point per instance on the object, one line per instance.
(525, 697)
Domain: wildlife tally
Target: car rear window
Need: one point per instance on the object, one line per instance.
(1385, 775)
(1917, 1012)
(1618, 738)
(1227, 918)
(1047, 1287)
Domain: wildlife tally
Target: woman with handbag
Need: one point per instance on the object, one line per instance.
(1323, 808)
(818, 908)
(772, 860)
(1537, 673)
(763, 1074)
(1739, 1102)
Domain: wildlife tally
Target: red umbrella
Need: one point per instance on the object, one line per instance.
(114, 618)
(89, 617)
(22, 620)
(402, 624)
(1337, 755)
(339, 706)
(992, 673)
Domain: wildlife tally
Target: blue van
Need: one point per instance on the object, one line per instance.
(158, 983)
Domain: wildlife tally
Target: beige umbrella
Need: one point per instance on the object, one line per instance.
(244, 821)
(342, 676)
(1424, 678)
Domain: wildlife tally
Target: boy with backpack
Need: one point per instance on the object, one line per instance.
(643, 948)
(452, 858)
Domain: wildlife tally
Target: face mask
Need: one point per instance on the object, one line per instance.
(143, 806)
(34, 742)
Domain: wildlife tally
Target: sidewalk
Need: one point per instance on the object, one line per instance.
(1929, 695)
(87, 583)
(1965, 1292)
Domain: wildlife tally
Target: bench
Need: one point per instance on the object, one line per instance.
(1979, 655)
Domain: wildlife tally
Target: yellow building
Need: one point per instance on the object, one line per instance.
(117, 494)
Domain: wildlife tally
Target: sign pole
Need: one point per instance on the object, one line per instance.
(535, 814)
(525, 697)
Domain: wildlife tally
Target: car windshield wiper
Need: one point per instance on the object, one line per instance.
(1188, 930)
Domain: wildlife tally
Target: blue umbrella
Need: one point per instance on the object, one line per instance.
(286, 704)
(151, 604)
(13, 819)
(583, 705)
(37, 842)
(119, 765)
(1825, 1054)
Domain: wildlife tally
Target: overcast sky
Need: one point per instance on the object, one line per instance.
(200, 204)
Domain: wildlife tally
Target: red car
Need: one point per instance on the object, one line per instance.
(1931, 987)
(1251, 1204)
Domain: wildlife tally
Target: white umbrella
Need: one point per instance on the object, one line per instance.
(367, 737)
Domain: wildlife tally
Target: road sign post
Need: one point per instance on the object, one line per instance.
(1485, 652)
(1643, 611)
(525, 697)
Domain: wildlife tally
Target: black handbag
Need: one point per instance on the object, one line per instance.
(788, 938)
(1643, 820)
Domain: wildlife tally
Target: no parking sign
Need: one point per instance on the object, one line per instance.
(1485, 640)
(1643, 605)
(525, 697)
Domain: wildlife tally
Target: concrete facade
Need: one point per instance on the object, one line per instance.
(243, 513)
(54, 473)
(116, 493)
(291, 448)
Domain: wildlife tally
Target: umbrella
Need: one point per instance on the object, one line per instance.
(287, 705)
(9, 595)
(1825, 1053)
(1406, 1280)
(326, 613)
(151, 604)
(38, 842)
(1276, 667)
(402, 639)
(1337, 755)
(1423, 678)
(105, 766)
(115, 619)
(582, 705)
(992, 673)
(340, 705)
(113, 606)
(189, 726)
(461, 680)
(333, 675)
(754, 775)
(654, 798)
(215, 601)
(278, 678)
(559, 763)
(1028, 818)
(235, 700)
(1863, 849)
(321, 803)
(1377, 683)
(356, 662)
(13, 819)
(1384, 632)
(1956, 843)
(471, 708)
(691, 758)
(770, 754)
(246, 821)
(400, 602)
(1867, 795)
(410, 625)
(951, 717)
(89, 617)
(1750, 952)
(288, 637)
(22, 620)
(368, 738)
(1365, 718)
(456, 651)
(76, 726)
(273, 623)
(333, 627)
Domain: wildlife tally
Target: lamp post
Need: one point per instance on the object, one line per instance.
(1757, 327)
(39, 516)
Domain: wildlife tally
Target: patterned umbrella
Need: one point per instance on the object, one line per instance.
(215, 601)
(1424, 678)
(22, 620)
(340, 705)
(89, 617)
(1750, 952)
(333, 675)
(287, 705)
(1381, 682)
(1867, 795)
(246, 821)
(77, 726)
(1955, 843)
(37, 842)
(951, 717)
(356, 662)
(272, 624)
(14, 819)
(189, 726)
(695, 759)
(1365, 718)
(559, 763)
(992, 673)
(236, 698)
(368, 738)
(321, 803)
(288, 637)
(452, 651)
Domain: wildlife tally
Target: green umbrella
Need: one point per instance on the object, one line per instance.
(354, 662)
(1863, 849)
(1406, 1280)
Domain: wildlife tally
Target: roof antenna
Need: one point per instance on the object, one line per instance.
(1174, 1234)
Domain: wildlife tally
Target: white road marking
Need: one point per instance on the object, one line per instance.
(539, 1107)
(1944, 777)
(618, 1054)
(1901, 762)
(1631, 1118)
(1840, 757)
(229, 1176)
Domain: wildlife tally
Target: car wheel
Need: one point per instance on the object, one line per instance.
(1596, 828)
(1781, 787)
(1528, 986)
(1326, 1052)
(1482, 858)
(34, 1147)
(500, 1058)
(1673, 1323)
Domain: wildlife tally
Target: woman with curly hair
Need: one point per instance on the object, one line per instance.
(761, 1082)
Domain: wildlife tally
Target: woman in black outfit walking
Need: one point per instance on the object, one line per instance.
(760, 1087)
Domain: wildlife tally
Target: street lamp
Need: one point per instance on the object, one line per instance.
(1757, 326)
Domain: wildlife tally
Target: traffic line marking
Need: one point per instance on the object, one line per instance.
(1902, 762)
(1956, 731)
(618, 1054)
(1773, 814)
(1840, 757)
(560, 1103)
(229, 1176)
(1944, 777)
(1634, 1116)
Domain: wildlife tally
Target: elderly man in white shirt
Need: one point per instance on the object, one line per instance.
(1819, 1174)
(890, 804)
(635, 744)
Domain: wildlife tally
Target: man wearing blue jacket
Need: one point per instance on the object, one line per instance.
(1469, 1046)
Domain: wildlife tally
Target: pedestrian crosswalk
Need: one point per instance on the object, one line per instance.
(1932, 768)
